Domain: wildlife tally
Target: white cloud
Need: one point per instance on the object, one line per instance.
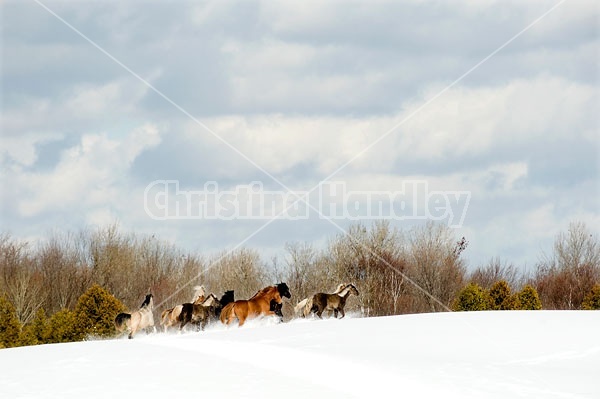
(22, 150)
(461, 124)
(465, 122)
(89, 175)
(301, 89)
(76, 108)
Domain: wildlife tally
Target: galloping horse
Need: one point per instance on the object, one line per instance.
(170, 317)
(225, 300)
(335, 302)
(199, 313)
(304, 306)
(137, 320)
(264, 302)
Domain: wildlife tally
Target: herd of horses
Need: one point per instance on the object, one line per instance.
(205, 309)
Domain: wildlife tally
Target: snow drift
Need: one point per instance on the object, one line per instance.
(500, 354)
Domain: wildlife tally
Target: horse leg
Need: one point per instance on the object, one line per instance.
(232, 316)
(133, 327)
(241, 321)
(183, 323)
(315, 309)
(335, 313)
(131, 332)
(319, 312)
(342, 312)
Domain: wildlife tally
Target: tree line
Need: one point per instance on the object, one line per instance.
(71, 285)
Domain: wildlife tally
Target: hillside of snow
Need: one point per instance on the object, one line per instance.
(501, 354)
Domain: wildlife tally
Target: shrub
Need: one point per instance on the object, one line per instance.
(470, 298)
(528, 299)
(95, 312)
(592, 300)
(10, 327)
(61, 327)
(499, 296)
(36, 332)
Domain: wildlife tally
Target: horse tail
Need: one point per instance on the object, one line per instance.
(164, 316)
(121, 321)
(226, 312)
(308, 306)
(300, 305)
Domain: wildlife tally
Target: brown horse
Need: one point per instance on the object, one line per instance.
(304, 306)
(137, 320)
(199, 313)
(335, 302)
(264, 303)
(170, 317)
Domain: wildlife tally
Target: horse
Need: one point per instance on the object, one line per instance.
(276, 308)
(335, 302)
(225, 300)
(199, 313)
(259, 304)
(170, 317)
(137, 320)
(303, 307)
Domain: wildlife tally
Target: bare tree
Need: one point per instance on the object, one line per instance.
(65, 276)
(436, 265)
(20, 279)
(240, 270)
(569, 273)
(496, 270)
(302, 273)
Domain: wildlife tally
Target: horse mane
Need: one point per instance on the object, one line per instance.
(212, 297)
(147, 301)
(199, 291)
(282, 288)
(263, 291)
(340, 287)
(344, 292)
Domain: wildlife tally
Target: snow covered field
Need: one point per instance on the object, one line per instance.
(501, 354)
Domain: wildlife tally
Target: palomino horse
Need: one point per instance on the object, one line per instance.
(170, 317)
(137, 320)
(303, 307)
(264, 302)
(335, 302)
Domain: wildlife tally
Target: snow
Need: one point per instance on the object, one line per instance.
(501, 354)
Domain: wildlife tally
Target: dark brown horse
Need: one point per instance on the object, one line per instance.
(276, 308)
(332, 302)
(225, 300)
(202, 313)
(170, 317)
(264, 303)
(198, 313)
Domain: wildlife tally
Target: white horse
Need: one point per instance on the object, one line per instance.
(137, 320)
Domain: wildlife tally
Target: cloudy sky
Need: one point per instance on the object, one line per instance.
(492, 98)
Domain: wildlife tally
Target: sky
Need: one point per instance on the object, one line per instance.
(482, 115)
